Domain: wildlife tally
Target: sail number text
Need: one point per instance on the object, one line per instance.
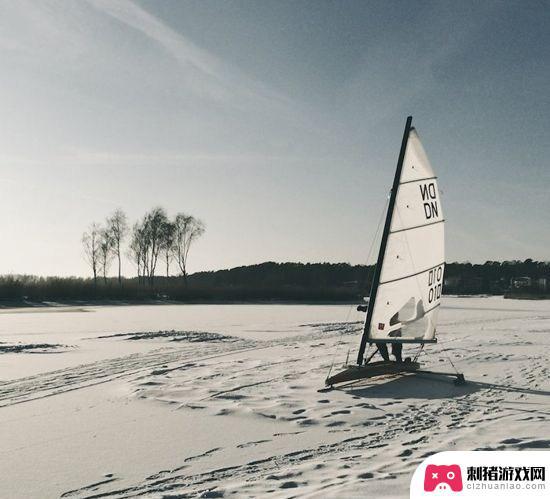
(429, 196)
(435, 277)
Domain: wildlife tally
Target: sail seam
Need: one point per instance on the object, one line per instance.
(412, 275)
(417, 180)
(417, 226)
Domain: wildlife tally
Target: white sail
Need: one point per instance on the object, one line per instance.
(411, 278)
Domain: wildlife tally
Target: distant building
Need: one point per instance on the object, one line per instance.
(521, 282)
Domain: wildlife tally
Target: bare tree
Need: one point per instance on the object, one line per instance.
(156, 236)
(91, 240)
(187, 230)
(135, 249)
(154, 223)
(106, 253)
(147, 243)
(117, 225)
(167, 244)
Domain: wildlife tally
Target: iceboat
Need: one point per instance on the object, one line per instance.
(405, 296)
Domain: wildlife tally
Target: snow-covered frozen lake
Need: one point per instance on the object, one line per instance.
(103, 405)
(77, 326)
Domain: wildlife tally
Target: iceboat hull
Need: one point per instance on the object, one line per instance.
(371, 370)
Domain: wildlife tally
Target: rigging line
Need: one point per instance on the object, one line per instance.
(447, 355)
(338, 343)
(419, 352)
(384, 209)
(378, 228)
(369, 254)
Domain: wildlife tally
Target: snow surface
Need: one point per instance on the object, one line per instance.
(222, 401)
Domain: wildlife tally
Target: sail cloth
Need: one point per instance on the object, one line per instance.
(411, 277)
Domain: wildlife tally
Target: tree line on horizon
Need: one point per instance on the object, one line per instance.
(271, 281)
(491, 277)
(154, 238)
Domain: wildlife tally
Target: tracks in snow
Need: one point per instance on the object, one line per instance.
(162, 359)
(426, 423)
(103, 371)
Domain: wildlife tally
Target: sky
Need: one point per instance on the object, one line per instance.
(278, 123)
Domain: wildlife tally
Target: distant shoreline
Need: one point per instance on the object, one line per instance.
(122, 303)
(268, 282)
(51, 305)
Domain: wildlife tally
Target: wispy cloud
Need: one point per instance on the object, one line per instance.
(207, 75)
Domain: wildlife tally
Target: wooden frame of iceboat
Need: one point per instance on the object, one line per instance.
(408, 278)
(385, 368)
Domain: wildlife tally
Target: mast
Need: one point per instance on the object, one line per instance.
(383, 243)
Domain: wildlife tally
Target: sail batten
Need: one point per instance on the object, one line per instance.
(408, 280)
(417, 226)
(413, 275)
(417, 180)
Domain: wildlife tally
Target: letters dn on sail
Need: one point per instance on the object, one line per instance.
(429, 196)
(434, 282)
